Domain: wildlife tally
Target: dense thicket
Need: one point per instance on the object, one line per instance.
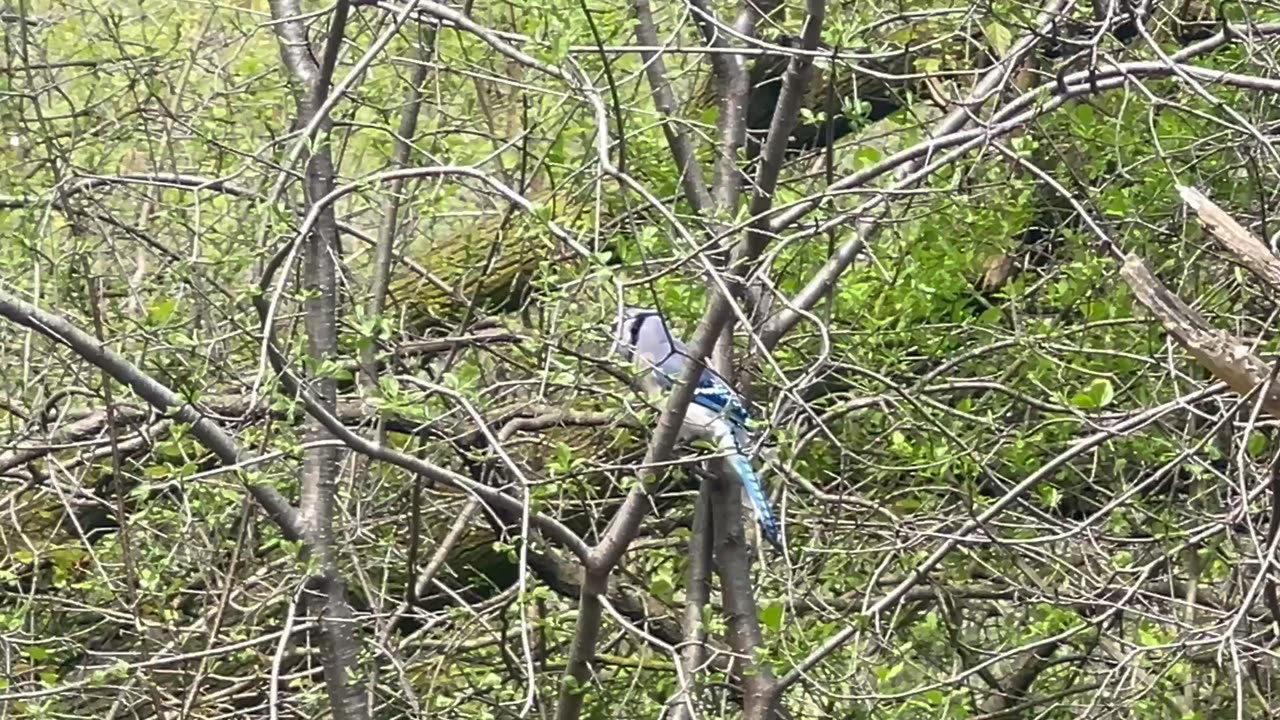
(307, 404)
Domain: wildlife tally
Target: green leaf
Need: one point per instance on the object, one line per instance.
(661, 588)
(771, 616)
(1257, 445)
(37, 653)
(1099, 394)
(1049, 496)
(159, 312)
(928, 65)
(390, 386)
(1000, 36)
(888, 673)
(1084, 115)
(866, 156)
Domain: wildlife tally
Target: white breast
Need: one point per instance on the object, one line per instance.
(703, 424)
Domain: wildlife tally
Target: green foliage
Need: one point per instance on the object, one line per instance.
(938, 395)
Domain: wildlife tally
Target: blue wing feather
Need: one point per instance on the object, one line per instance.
(713, 394)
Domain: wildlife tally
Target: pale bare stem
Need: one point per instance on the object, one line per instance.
(378, 287)
(1229, 358)
(733, 565)
(909, 168)
(682, 149)
(391, 208)
(722, 63)
(319, 481)
(117, 470)
(155, 394)
(986, 87)
(734, 89)
(1234, 238)
(795, 83)
(693, 656)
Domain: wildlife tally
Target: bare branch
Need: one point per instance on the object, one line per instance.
(320, 461)
(697, 595)
(964, 533)
(795, 83)
(391, 208)
(1229, 359)
(1244, 245)
(908, 169)
(735, 90)
(158, 396)
(691, 178)
(733, 564)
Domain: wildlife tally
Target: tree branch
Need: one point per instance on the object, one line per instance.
(340, 652)
(693, 656)
(733, 564)
(1244, 245)
(691, 179)
(982, 520)
(735, 91)
(164, 400)
(1012, 116)
(1219, 352)
(391, 208)
(795, 83)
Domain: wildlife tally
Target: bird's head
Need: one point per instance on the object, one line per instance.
(630, 322)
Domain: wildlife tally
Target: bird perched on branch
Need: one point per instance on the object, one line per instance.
(716, 414)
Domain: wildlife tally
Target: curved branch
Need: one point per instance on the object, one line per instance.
(1012, 117)
(164, 400)
(691, 179)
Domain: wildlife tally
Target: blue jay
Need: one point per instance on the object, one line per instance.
(716, 413)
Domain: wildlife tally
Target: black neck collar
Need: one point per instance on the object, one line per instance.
(633, 336)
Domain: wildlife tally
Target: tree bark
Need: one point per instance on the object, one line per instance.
(326, 588)
(733, 564)
(1244, 245)
(1224, 355)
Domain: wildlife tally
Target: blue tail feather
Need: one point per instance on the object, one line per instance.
(769, 527)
